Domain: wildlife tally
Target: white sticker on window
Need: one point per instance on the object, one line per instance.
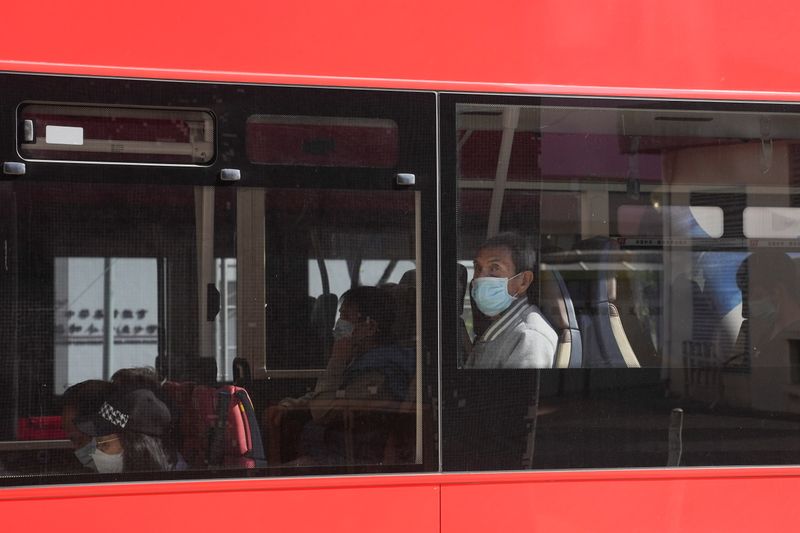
(63, 135)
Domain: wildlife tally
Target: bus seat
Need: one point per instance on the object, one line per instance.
(217, 426)
(632, 298)
(594, 293)
(464, 340)
(323, 317)
(202, 370)
(557, 306)
(242, 376)
(405, 320)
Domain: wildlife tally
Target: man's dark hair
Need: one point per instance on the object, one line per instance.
(87, 396)
(523, 253)
(374, 303)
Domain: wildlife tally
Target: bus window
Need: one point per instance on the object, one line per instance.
(274, 323)
(116, 134)
(665, 245)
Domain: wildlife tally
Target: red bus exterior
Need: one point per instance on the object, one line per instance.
(708, 49)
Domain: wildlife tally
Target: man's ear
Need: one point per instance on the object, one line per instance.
(527, 280)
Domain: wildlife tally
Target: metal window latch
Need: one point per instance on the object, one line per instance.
(11, 168)
(405, 179)
(28, 131)
(230, 174)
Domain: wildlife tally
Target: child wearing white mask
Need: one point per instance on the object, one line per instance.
(79, 400)
(129, 430)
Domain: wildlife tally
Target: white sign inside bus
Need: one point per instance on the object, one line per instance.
(63, 135)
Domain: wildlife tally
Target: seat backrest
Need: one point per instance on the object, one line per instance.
(323, 317)
(594, 293)
(464, 340)
(556, 305)
(217, 426)
(404, 295)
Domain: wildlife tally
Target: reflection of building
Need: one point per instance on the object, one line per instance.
(86, 327)
(85, 287)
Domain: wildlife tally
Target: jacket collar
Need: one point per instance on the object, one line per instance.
(509, 318)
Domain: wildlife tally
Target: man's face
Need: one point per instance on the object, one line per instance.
(76, 436)
(497, 263)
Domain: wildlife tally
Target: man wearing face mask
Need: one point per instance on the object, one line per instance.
(82, 399)
(517, 335)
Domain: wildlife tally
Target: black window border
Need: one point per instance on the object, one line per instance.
(456, 383)
(230, 104)
(413, 111)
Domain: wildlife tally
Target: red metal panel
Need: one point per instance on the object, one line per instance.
(681, 47)
(728, 500)
(329, 506)
(685, 501)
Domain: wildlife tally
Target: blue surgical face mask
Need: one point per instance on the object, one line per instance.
(491, 295)
(342, 329)
(84, 454)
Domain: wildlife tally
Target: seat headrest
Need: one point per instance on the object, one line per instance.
(461, 278)
(597, 284)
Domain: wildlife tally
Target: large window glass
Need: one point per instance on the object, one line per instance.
(630, 296)
(264, 322)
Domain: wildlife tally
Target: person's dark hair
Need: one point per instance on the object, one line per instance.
(142, 453)
(374, 303)
(770, 269)
(87, 396)
(143, 377)
(523, 253)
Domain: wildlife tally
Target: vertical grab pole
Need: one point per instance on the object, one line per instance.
(108, 313)
(510, 122)
(204, 238)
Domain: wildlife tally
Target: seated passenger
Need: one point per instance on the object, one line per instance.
(80, 400)
(518, 335)
(128, 429)
(146, 377)
(140, 377)
(366, 364)
(769, 285)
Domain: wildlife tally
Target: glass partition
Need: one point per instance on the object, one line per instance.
(632, 296)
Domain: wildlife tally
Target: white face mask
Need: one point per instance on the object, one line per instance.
(85, 452)
(107, 463)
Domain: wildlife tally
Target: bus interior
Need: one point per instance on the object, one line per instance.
(209, 233)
